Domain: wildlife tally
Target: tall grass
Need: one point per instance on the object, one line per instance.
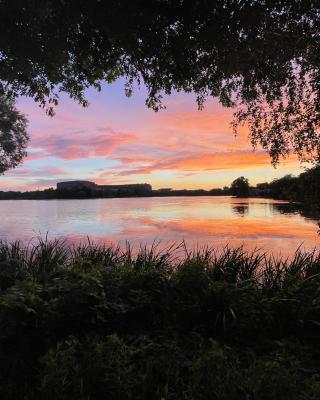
(42, 256)
(92, 321)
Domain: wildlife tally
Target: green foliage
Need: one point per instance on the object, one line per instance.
(13, 134)
(304, 188)
(284, 188)
(91, 322)
(216, 375)
(259, 55)
(91, 368)
(276, 376)
(240, 187)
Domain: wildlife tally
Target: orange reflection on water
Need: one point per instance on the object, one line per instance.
(215, 221)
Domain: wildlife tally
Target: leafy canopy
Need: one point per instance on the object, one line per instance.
(13, 135)
(240, 187)
(261, 56)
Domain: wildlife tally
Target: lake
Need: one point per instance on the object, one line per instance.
(271, 225)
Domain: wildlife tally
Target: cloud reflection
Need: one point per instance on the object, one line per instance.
(205, 221)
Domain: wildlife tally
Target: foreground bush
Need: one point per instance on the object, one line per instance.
(100, 323)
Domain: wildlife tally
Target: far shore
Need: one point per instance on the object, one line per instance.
(40, 195)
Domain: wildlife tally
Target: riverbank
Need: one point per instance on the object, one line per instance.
(49, 194)
(97, 322)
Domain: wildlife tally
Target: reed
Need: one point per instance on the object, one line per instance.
(92, 321)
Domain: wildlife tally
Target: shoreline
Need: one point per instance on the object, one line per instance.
(149, 196)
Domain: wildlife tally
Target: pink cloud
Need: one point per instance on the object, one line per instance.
(79, 144)
(37, 172)
(180, 140)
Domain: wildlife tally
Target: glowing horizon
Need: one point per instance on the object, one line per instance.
(118, 140)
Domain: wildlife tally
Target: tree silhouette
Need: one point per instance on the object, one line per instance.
(240, 187)
(259, 56)
(13, 135)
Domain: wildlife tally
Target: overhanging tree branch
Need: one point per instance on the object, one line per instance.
(260, 56)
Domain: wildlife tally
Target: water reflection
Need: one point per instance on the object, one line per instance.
(263, 223)
(307, 212)
(240, 209)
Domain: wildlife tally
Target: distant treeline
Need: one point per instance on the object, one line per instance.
(87, 193)
(304, 188)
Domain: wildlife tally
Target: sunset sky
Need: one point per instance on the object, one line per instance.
(119, 140)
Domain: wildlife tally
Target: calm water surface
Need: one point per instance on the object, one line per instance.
(263, 223)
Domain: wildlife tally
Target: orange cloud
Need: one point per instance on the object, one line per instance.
(123, 142)
(199, 162)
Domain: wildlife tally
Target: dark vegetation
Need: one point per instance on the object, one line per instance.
(304, 189)
(13, 134)
(258, 56)
(87, 193)
(240, 187)
(94, 322)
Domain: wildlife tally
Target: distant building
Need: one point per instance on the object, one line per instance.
(134, 188)
(76, 185)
